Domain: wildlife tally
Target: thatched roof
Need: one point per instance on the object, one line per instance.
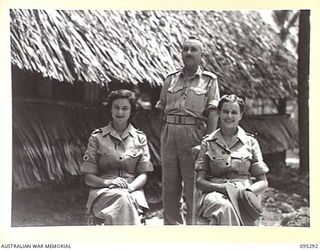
(143, 46)
(50, 147)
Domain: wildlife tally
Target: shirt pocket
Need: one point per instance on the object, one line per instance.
(103, 159)
(241, 161)
(218, 163)
(132, 159)
(173, 96)
(196, 99)
(134, 153)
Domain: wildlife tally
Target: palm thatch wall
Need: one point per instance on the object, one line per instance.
(59, 53)
(143, 46)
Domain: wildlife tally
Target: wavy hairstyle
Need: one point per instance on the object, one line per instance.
(123, 94)
(232, 99)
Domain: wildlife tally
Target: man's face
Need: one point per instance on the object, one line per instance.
(191, 53)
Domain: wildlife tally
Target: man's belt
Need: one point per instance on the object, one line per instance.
(181, 120)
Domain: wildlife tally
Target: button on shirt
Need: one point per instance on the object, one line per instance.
(194, 97)
(109, 154)
(244, 158)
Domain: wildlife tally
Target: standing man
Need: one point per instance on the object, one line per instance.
(188, 99)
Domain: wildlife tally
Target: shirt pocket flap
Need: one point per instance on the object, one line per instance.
(198, 91)
(134, 153)
(175, 89)
(214, 157)
(241, 155)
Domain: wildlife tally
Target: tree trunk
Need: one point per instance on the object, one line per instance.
(303, 88)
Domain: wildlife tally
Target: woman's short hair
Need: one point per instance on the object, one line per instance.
(122, 94)
(232, 99)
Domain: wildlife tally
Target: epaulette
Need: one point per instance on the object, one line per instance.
(213, 139)
(207, 73)
(140, 132)
(96, 131)
(204, 137)
(252, 135)
(173, 73)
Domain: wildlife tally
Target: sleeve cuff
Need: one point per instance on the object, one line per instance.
(259, 168)
(88, 168)
(213, 104)
(144, 167)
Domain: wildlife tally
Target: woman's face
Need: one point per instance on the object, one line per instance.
(230, 115)
(121, 110)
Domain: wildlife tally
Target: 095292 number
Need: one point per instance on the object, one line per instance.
(309, 246)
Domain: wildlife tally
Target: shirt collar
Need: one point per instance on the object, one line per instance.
(198, 72)
(241, 135)
(109, 129)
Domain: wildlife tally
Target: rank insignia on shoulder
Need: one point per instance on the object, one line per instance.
(207, 73)
(173, 73)
(206, 136)
(98, 130)
(252, 135)
(140, 131)
(85, 158)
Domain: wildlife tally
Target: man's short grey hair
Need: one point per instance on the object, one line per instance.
(194, 37)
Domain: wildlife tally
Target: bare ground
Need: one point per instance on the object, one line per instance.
(285, 203)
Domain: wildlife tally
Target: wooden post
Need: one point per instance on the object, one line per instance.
(303, 88)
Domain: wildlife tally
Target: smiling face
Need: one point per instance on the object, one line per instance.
(191, 53)
(121, 110)
(230, 115)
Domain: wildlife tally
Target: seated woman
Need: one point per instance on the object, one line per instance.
(116, 164)
(228, 157)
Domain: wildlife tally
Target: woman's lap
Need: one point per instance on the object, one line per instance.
(116, 207)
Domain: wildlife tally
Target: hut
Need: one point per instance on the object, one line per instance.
(64, 62)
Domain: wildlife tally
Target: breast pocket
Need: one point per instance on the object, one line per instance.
(174, 98)
(132, 159)
(219, 163)
(241, 161)
(196, 99)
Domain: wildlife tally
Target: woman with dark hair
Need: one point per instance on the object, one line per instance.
(115, 165)
(227, 161)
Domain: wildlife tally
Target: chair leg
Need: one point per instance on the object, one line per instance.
(194, 200)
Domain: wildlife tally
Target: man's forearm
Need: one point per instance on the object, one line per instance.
(212, 122)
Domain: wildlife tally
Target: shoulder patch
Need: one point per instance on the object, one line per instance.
(207, 73)
(96, 131)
